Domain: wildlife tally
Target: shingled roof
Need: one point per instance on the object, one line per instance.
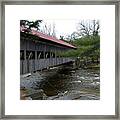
(49, 38)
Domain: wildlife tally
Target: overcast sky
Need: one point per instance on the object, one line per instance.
(63, 27)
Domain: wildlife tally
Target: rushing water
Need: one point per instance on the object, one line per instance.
(65, 84)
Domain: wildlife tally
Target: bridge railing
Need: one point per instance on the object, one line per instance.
(28, 66)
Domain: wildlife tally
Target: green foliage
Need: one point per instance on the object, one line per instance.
(86, 41)
(87, 47)
(30, 24)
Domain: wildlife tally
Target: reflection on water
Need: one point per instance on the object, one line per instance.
(65, 83)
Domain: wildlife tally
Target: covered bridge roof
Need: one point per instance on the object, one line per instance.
(50, 38)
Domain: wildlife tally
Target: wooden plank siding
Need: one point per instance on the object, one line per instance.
(37, 48)
(28, 66)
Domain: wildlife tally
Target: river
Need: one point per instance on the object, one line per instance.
(60, 83)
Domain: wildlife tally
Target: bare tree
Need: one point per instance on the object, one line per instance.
(75, 35)
(96, 27)
(48, 28)
(54, 31)
(88, 27)
(68, 37)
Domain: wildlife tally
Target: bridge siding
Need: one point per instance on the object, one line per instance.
(27, 66)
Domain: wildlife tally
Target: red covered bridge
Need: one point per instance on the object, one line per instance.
(39, 51)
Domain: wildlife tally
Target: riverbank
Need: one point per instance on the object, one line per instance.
(62, 83)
